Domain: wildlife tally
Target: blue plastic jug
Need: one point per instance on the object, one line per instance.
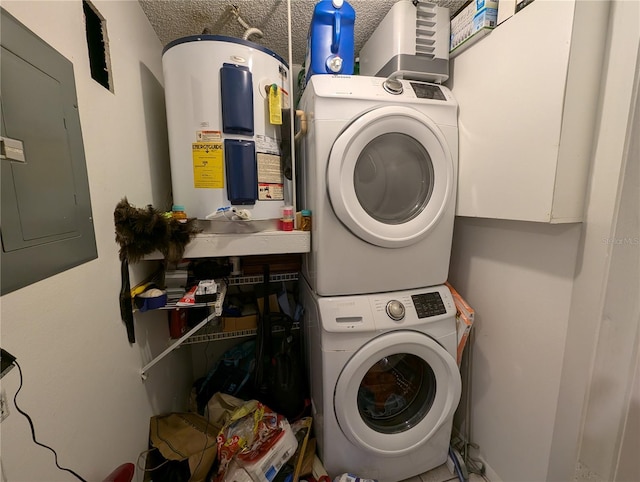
(330, 46)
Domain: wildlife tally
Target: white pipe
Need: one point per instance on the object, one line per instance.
(252, 31)
(236, 11)
(292, 110)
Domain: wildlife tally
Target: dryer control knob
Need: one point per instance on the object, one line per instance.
(393, 86)
(395, 310)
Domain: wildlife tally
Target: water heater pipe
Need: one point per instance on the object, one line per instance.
(300, 114)
(252, 31)
(249, 31)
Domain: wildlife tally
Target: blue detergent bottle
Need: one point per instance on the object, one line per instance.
(330, 45)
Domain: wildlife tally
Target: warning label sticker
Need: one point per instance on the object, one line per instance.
(269, 169)
(208, 136)
(207, 165)
(270, 192)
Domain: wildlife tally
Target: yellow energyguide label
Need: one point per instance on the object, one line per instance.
(208, 172)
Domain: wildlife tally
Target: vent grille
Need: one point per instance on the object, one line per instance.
(425, 29)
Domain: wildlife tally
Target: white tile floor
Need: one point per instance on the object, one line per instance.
(441, 474)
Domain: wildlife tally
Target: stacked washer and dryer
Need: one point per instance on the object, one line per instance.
(378, 169)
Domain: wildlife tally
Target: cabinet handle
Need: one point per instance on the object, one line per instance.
(12, 149)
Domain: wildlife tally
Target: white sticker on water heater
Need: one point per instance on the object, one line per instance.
(267, 144)
(269, 168)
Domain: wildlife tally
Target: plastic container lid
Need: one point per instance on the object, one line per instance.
(177, 207)
(305, 212)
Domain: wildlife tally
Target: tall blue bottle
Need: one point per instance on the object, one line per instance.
(330, 45)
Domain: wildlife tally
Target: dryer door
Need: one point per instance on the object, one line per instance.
(396, 391)
(390, 176)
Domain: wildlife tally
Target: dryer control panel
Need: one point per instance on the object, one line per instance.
(427, 91)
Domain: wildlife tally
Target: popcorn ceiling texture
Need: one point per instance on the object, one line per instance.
(172, 19)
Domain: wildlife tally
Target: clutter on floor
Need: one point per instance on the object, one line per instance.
(234, 440)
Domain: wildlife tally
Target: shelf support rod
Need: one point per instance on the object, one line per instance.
(176, 344)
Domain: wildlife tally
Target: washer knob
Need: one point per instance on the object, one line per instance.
(395, 310)
(393, 86)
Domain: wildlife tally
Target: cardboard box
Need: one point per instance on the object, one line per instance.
(473, 21)
(239, 323)
(465, 315)
(467, 14)
(278, 263)
(274, 307)
(481, 25)
(506, 9)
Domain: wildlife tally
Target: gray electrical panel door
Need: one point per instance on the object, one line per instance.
(46, 224)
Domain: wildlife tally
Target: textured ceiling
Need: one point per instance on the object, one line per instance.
(172, 19)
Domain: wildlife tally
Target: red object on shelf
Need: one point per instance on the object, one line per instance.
(285, 224)
(177, 323)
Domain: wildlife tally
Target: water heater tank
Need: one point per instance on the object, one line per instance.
(224, 140)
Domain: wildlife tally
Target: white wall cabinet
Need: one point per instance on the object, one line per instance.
(528, 96)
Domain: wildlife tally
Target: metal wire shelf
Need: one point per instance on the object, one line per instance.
(257, 279)
(209, 328)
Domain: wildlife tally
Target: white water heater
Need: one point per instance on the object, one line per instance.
(224, 101)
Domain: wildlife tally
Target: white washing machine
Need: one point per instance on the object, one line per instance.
(384, 380)
(378, 170)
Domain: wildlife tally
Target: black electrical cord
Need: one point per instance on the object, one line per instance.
(206, 414)
(33, 431)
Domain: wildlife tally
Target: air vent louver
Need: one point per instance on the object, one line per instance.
(425, 29)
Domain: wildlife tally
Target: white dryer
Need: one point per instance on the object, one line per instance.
(378, 170)
(384, 380)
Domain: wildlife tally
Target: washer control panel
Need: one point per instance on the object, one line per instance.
(410, 307)
(388, 311)
(428, 304)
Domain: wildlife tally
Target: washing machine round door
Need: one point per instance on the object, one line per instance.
(396, 392)
(390, 176)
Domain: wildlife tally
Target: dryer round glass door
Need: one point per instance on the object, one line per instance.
(396, 392)
(390, 176)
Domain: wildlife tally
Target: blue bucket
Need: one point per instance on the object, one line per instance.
(330, 45)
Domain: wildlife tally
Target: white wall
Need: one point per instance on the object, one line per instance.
(617, 348)
(539, 295)
(518, 277)
(81, 384)
(617, 317)
(592, 380)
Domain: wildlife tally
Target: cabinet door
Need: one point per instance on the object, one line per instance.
(46, 212)
(528, 97)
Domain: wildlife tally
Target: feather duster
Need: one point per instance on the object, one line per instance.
(141, 231)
